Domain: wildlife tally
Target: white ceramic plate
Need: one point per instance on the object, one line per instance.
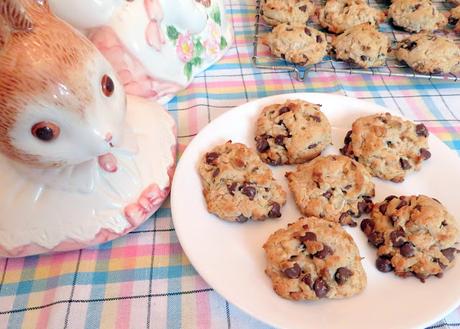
(229, 256)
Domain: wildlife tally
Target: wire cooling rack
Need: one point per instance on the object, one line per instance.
(264, 60)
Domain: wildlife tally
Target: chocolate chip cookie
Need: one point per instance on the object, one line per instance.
(238, 186)
(454, 18)
(429, 53)
(313, 259)
(388, 146)
(362, 45)
(415, 235)
(416, 15)
(300, 45)
(293, 132)
(296, 12)
(335, 188)
(340, 15)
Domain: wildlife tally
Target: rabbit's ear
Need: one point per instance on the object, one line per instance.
(15, 15)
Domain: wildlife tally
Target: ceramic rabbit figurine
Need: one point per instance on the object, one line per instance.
(80, 162)
(156, 46)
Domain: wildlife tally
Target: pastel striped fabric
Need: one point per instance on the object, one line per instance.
(144, 280)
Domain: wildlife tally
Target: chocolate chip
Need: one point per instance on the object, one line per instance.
(231, 188)
(407, 249)
(283, 56)
(383, 208)
(242, 219)
(303, 8)
(421, 130)
(441, 265)
(365, 207)
(397, 238)
(347, 187)
(289, 29)
(347, 139)
(307, 280)
(347, 150)
(342, 275)
(249, 191)
(320, 287)
(343, 216)
(319, 39)
(293, 272)
(312, 146)
(327, 194)
(417, 6)
(284, 109)
(453, 20)
(376, 239)
(409, 45)
(383, 264)
(404, 164)
(323, 253)
(401, 204)
(367, 226)
(425, 154)
(449, 253)
(309, 236)
(364, 58)
(279, 140)
(390, 197)
(215, 172)
(307, 31)
(275, 212)
(262, 144)
(315, 118)
(211, 158)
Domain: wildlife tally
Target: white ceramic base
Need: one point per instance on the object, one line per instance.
(36, 219)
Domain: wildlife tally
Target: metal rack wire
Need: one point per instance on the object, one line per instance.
(264, 60)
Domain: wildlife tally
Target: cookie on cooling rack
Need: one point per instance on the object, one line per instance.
(454, 18)
(292, 132)
(297, 44)
(362, 45)
(335, 188)
(296, 12)
(238, 186)
(388, 146)
(313, 259)
(427, 53)
(415, 235)
(339, 15)
(416, 15)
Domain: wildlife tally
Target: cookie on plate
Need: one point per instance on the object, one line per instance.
(238, 186)
(416, 15)
(363, 45)
(388, 146)
(415, 235)
(332, 187)
(428, 53)
(300, 45)
(293, 132)
(454, 18)
(312, 259)
(340, 15)
(296, 12)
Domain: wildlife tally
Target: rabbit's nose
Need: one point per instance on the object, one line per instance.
(108, 139)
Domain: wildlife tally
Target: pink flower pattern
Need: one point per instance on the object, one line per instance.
(185, 47)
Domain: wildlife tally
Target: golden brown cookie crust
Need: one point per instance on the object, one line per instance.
(388, 146)
(335, 188)
(238, 186)
(292, 132)
(312, 259)
(415, 235)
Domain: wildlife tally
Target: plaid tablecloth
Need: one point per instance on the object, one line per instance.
(144, 280)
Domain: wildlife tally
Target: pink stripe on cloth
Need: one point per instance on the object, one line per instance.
(202, 305)
(124, 306)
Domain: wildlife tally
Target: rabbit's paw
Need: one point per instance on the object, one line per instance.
(108, 162)
(149, 201)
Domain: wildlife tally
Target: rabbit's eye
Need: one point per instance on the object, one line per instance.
(107, 85)
(45, 131)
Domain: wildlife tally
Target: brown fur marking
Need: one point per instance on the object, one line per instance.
(34, 63)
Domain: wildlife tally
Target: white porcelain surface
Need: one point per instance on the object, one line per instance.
(156, 46)
(229, 256)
